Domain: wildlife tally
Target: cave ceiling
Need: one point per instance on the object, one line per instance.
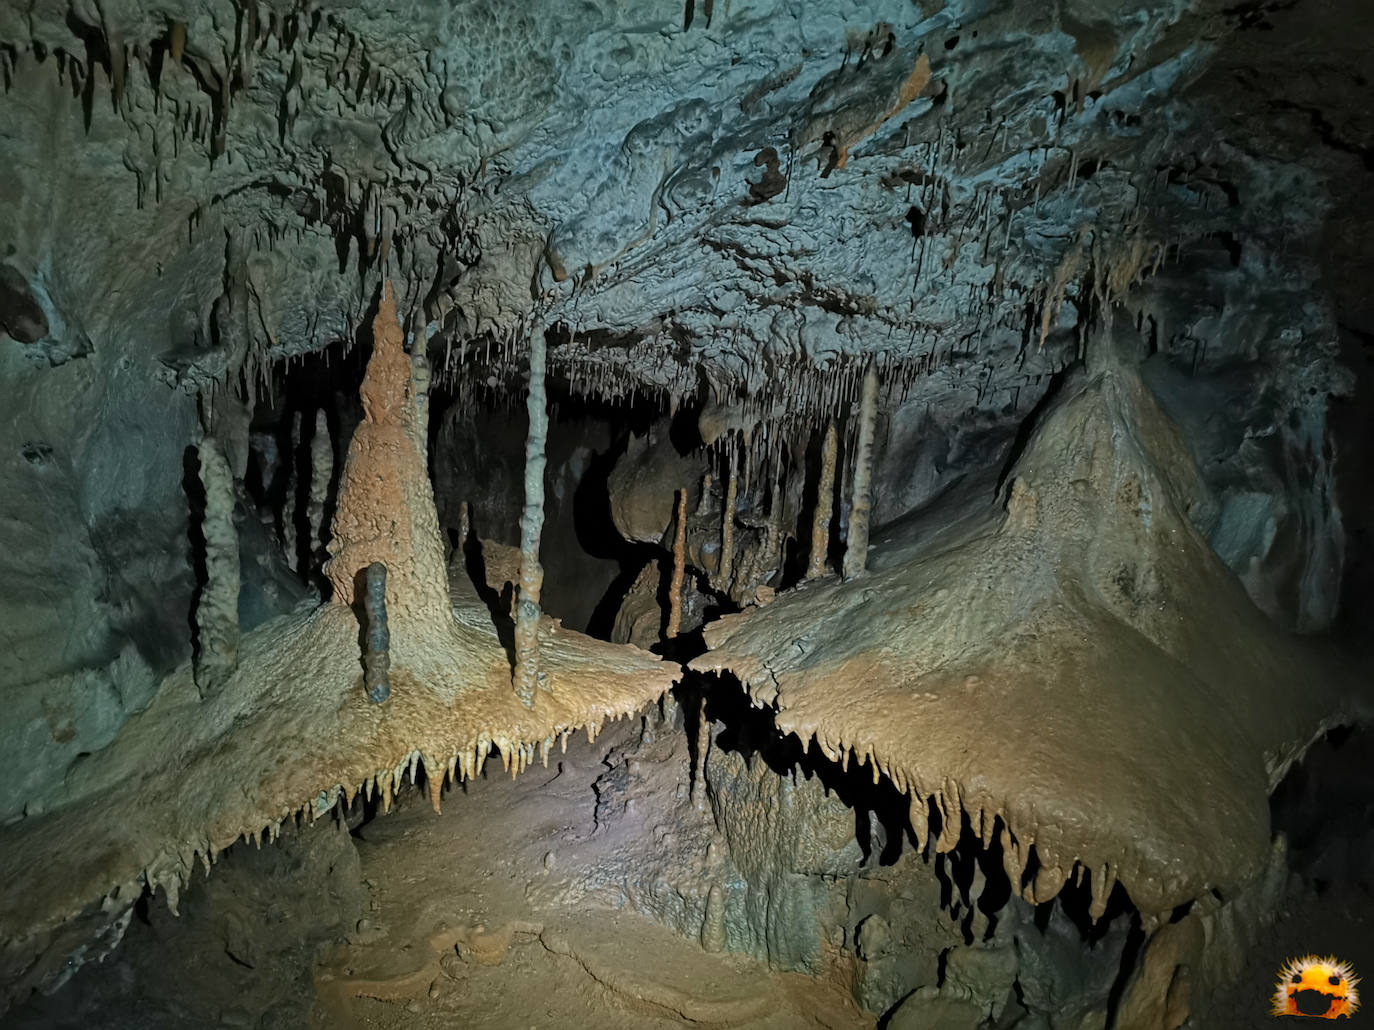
(743, 197)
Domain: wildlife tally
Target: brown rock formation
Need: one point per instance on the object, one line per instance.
(386, 509)
(1076, 673)
(291, 730)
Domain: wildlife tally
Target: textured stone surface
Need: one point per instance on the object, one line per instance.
(288, 729)
(1083, 599)
(745, 201)
(731, 207)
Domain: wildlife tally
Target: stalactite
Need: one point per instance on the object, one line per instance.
(825, 490)
(861, 499)
(217, 611)
(531, 524)
(321, 476)
(679, 568)
(377, 657)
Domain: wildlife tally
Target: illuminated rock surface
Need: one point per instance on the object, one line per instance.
(1067, 662)
(273, 278)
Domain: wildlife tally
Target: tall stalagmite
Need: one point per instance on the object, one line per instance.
(825, 502)
(217, 613)
(377, 655)
(321, 476)
(679, 567)
(727, 528)
(290, 534)
(531, 525)
(385, 511)
(861, 502)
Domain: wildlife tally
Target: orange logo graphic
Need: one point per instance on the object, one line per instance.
(1312, 986)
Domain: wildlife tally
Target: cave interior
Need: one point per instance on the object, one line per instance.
(735, 513)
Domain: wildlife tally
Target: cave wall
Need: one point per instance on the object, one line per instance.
(95, 581)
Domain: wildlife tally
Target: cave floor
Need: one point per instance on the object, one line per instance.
(493, 915)
(508, 910)
(514, 908)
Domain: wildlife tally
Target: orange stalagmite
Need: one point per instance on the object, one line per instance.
(292, 732)
(679, 568)
(1082, 599)
(386, 504)
(825, 505)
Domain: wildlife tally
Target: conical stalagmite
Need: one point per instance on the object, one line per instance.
(385, 511)
(1118, 679)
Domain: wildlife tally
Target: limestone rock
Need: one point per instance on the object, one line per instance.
(932, 1009)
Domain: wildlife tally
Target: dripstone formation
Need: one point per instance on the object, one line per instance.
(924, 444)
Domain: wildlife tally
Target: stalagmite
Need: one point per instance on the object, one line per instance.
(704, 501)
(217, 611)
(727, 528)
(703, 742)
(531, 524)
(289, 538)
(855, 664)
(385, 508)
(679, 568)
(713, 924)
(861, 502)
(825, 490)
(321, 475)
(417, 422)
(377, 658)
